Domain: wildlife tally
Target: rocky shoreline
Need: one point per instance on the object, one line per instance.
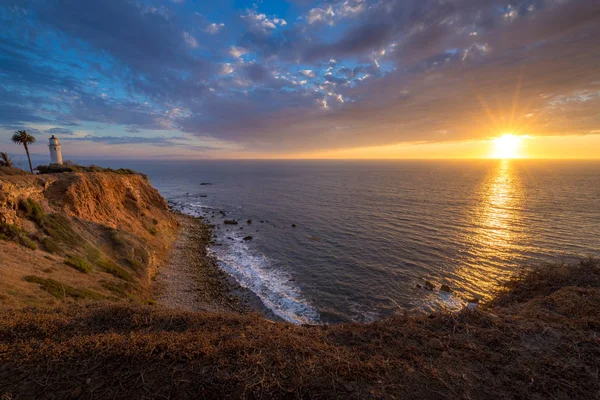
(192, 281)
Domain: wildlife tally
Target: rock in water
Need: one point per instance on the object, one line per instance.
(429, 286)
(249, 221)
(230, 222)
(248, 238)
(293, 225)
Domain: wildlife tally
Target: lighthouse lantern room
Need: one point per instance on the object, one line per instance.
(55, 154)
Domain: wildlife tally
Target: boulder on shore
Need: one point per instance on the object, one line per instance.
(445, 288)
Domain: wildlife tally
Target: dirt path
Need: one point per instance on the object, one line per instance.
(191, 280)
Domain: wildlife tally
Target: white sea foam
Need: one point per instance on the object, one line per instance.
(253, 271)
(274, 287)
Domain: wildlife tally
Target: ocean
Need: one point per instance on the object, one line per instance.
(341, 241)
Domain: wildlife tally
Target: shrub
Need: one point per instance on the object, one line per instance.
(114, 269)
(135, 264)
(32, 210)
(60, 290)
(70, 166)
(50, 245)
(59, 228)
(15, 234)
(27, 242)
(120, 289)
(80, 264)
(8, 171)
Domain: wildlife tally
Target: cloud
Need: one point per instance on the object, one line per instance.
(237, 52)
(307, 73)
(333, 79)
(214, 28)
(331, 14)
(260, 23)
(190, 40)
(59, 131)
(120, 140)
(226, 69)
(143, 38)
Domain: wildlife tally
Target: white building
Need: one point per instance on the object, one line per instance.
(55, 154)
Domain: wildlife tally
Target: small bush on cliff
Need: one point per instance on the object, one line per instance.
(57, 226)
(79, 263)
(50, 245)
(32, 210)
(60, 290)
(95, 257)
(15, 234)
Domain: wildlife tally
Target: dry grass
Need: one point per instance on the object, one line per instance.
(539, 340)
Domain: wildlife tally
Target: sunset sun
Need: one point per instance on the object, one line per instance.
(507, 146)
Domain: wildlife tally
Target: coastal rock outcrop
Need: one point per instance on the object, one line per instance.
(116, 224)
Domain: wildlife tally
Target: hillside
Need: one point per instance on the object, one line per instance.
(80, 236)
(539, 340)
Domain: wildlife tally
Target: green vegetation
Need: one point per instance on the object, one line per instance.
(80, 264)
(32, 210)
(50, 245)
(25, 139)
(56, 226)
(69, 166)
(60, 290)
(120, 289)
(15, 234)
(114, 269)
(59, 228)
(95, 257)
(5, 160)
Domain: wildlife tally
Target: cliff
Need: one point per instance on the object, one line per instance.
(80, 236)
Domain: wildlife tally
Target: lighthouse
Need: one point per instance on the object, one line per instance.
(55, 154)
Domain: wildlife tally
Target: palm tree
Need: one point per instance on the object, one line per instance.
(5, 160)
(24, 138)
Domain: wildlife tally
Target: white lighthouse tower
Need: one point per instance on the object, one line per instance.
(55, 154)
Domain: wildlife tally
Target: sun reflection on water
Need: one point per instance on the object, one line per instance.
(497, 230)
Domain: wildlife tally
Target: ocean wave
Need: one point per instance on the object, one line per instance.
(252, 270)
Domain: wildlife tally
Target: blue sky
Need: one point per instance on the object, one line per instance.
(185, 78)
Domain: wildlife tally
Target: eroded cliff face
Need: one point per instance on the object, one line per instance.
(14, 188)
(102, 233)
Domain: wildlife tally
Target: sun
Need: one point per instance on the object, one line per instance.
(507, 146)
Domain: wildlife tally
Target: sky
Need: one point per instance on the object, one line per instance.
(301, 78)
